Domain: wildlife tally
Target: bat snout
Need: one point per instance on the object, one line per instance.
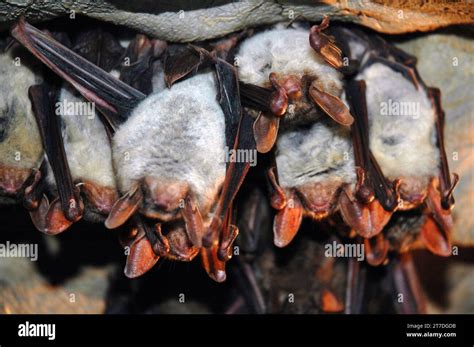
(164, 196)
(12, 180)
(318, 197)
(413, 190)
(99, 198)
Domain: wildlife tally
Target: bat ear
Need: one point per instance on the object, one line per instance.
(141, 257)
(124, 208)
(92, 82)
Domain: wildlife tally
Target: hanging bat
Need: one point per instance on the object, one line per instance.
(399, 161)
(307, 87)
(21, 151)
(150, 185)
(80, 178)
(405, 126)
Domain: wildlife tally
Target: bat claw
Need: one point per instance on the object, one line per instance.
(436, 231)
(447, 199)
(74, 208)
(278, 198)
(161, 245)
(435, 209)
(225, 247)
(214, 267)
(33, 191)
(364, 191)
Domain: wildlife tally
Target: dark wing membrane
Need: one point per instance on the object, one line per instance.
(182, 61)
(384, 192)
(256, 97)
(446, 186)
(100, 48)
(236, 171)
(229, 99)
(50, 130)
(93, 83)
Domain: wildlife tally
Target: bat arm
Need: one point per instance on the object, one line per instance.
(95, 84)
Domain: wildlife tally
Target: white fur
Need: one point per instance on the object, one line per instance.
(87, 146)
(304, 154)
(177, 134)
(158, 79)
(286, 52)
(18, 123)
(413, 151)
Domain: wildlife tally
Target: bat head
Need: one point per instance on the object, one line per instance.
(315, 162)
(288, 55)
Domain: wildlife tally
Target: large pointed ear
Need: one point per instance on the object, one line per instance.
(181, 61)
(92, 82)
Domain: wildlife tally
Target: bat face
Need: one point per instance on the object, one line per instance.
(20, 142)
(402, 130)
(313, 164)
(172, 146)
(288, 54)
(89, 154)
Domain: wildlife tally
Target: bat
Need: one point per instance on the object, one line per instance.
(306, 86)
(21, 150)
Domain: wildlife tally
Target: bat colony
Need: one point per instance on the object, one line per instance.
(348, 129)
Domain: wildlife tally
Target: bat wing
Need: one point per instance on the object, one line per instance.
(95, 84)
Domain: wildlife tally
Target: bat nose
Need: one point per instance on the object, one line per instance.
(413, 190)
(316, 197)
(165, 195)
(12, 179)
